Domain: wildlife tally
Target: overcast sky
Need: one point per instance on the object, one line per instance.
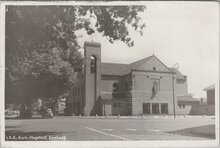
(186, 33)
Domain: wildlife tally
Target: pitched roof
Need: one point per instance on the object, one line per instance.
(114, 69)
(138, 63)
(179, 75)
(122, 69)
(187, 98)
(212, 87)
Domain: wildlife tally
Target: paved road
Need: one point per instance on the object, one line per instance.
(77, 129)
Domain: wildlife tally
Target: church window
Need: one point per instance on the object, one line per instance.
(154, 68)
(93, 64)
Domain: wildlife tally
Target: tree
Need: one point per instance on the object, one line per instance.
(42, 49)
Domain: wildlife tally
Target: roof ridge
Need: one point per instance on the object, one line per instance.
(141, 59)
(138, 63)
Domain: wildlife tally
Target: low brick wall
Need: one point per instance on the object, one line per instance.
(202, 110)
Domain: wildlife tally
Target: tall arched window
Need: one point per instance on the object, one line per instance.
(93, 64)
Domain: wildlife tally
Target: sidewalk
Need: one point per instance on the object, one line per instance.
(140, 117)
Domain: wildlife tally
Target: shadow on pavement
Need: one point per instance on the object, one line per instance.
(205, 131)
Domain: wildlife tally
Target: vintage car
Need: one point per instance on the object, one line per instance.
(47, 113)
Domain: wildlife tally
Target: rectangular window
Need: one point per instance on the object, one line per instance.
(155, 108)
(115, 105)
(179, 105)
(183, 105)
(164, 108)
(146, 108)
(82, 90)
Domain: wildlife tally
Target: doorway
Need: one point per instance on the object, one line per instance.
(164, 108)
(155, 108)
(146, 108)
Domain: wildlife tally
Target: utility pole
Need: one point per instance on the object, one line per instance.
(174, 108)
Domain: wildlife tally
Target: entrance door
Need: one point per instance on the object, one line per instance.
(146, 108)
(155, 108)
(164, 108)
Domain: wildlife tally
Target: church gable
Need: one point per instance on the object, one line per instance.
(151, 63)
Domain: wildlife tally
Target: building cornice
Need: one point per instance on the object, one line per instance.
(152, 71)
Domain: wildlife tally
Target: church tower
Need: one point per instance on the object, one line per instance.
(92, 55)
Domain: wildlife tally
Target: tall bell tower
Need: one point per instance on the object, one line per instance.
(92, 57)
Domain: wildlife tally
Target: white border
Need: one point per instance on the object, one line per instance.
(164, 143)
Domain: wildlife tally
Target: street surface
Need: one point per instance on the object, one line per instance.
(105, 129)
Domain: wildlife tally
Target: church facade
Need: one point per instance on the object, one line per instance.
(146, 87)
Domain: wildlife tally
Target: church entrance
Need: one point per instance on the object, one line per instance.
(146, 108)
(155, 108)
(164, 108)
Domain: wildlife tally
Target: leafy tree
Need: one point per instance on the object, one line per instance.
(42, 49)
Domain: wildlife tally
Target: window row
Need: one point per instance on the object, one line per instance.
(128, 86)
(155, 108)
(78, 91)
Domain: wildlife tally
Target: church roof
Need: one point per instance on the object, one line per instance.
(187, 98)
(122, 69)
(114, 69)
(138, 63)
(179, 75)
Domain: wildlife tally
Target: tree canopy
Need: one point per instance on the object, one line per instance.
(42, 49)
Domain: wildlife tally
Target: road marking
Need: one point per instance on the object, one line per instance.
(154, 130)
(107, 133)
(131, 129)
(108, 129)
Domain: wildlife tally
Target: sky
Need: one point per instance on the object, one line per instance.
(186, 33)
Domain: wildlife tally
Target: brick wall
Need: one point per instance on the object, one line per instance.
(92, 80)
(142, 90)
(181, 86)
(205, 109)
(186, 109)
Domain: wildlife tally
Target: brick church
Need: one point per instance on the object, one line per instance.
(146, 86)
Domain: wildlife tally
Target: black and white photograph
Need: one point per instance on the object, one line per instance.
(109, 74)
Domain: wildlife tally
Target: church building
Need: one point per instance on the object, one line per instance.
(144, 87)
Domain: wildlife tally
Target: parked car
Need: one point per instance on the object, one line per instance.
(47, 113)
